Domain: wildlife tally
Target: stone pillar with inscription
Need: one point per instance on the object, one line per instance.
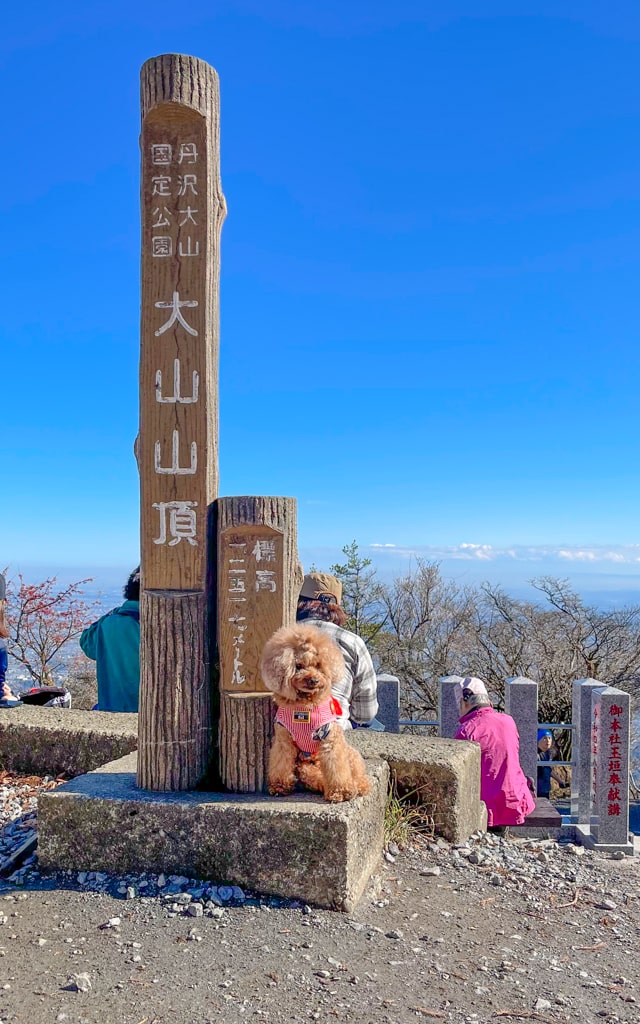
(610, 716)
(259, 580)
(581, 755)
(182, 213)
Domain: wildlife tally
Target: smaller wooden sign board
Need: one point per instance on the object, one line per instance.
(250, 597)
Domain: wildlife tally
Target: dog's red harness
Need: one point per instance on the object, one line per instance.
(302, 720)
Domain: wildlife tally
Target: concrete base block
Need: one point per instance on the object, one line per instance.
(584, 836)
(444, 774)
(59, 741)
(544, 822)
(297, 847)
(564, 833)
(536, 832)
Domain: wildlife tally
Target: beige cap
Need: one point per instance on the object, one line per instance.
(472, 687)
(317, 585)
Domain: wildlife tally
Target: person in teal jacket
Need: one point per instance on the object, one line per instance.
(113, 642)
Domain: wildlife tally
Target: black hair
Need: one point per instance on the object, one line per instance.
(131, 589)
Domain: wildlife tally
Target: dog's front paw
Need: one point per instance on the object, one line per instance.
(337, 796)
(279, 789)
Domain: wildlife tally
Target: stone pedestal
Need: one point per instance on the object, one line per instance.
(521, 702)
(297, 847)
(443, 775)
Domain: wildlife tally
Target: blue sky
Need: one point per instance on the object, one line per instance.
(429, 274)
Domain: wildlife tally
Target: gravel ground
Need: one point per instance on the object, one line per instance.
(496, 928)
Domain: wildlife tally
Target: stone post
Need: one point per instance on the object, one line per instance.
(259, 580)
(610, 773)
(3, 601)
(581, 758)
(448, 707)
(521, 702)
(389, 702)
(177, 449)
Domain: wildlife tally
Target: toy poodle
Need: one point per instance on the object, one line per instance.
(299, 664)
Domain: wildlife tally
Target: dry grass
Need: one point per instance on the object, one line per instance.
(407, 821)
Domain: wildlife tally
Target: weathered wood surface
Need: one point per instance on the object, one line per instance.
(246, 730)
(174, 723)
(182, 213)
(259, 579)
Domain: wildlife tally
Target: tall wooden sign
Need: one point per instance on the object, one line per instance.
(259, 579)
(182, 213)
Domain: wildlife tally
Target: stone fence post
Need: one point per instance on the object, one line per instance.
(448, 709)
(521, 702)
(389, 702)
(581, 757)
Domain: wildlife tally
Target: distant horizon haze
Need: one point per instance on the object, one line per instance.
(607, 576)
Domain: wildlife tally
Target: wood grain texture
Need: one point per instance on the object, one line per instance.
(182, 209)
(174, 722)
(246, 730)
(246, 619)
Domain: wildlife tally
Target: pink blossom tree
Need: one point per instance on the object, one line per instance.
(42, 618)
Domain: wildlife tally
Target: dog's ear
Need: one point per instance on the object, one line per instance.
(278, 662)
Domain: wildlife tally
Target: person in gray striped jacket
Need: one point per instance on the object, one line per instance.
(319, 605)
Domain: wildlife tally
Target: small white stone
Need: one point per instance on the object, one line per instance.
(607, 905)
(575, 851)
(542, 1004)
(113, 922)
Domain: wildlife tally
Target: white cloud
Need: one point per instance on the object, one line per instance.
(577, 556)
(623, 554)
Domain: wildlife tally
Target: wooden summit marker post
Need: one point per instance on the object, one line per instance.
(259, 580)
(182, 213)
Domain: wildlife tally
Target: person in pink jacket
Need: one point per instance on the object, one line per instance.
(503, 784)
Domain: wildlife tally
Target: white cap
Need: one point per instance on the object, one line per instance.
(469, 686)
